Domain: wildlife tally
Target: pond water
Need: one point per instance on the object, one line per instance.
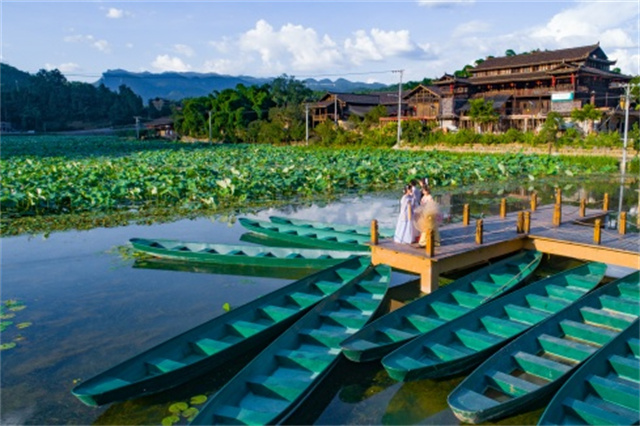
(89, 304)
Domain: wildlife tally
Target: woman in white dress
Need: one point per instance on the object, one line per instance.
(406, 233)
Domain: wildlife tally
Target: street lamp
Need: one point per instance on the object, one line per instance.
(399, 105)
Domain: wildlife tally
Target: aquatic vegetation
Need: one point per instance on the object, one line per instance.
(70, 175)
(178, 407)
(13, 305)
(5, 346)
(198, 399)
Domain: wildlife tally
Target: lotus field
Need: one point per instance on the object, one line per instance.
(58, 175)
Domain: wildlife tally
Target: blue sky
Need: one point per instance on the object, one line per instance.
(358, 40)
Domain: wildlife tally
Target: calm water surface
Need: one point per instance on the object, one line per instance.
(91, 307)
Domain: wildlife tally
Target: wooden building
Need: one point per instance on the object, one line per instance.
(336, 106)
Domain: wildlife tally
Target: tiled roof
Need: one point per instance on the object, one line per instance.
(567, 55)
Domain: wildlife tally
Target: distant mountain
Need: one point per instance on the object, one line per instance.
(179, 85)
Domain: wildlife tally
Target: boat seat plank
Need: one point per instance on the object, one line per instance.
(629, 368)
(565, 348)
(448, 353)
(510, 385)
(625, 394)
(619, 304)
(466, 299)
(541, 367)
(502, 278)
(629, 290)
(587, 333)
(485, 288)
(502, 327)
(579, 281)
(327, 287)
(270, 387)
(477, 340)
(594, 415)
(424, 323)
(208, 346)
(565, 293)
(366, 304)
(162, 365)
(594, 399)
(448, 311)
(347, 274)
(109, 383)
(396, 335)
(246, 328)
(328, 339)
(314, 362)
(604, 318)
(546, 304)
(376, 290)
(235, 415)
(304, 299)
(278, 313)
(344, 318)
(524, 315)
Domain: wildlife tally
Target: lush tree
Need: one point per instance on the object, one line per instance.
(483, 114)
(550, 129)
(286, 90)
(587, 114)
(509, 52)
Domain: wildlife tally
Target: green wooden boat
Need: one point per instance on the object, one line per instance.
(308, 237)
(465, 342)
(224, 254)
(605, 390)
(219, 340)
(349, 229)
(281, 377)
(524, 374)
(434, 310)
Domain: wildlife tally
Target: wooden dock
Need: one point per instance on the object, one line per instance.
(573, 237)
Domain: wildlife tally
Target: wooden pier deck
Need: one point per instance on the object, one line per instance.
(574, 237)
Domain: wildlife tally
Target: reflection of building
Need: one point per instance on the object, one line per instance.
(523, 89)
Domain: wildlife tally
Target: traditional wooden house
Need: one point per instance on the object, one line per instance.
(340, 106)
(526, 87)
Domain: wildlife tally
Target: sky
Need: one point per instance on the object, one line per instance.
(357, 40)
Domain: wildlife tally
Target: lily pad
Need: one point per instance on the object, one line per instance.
(7, 316)
(190, 413)
(226, 307)
(5, 324)
(170, 420)
(198, 399)
(24, 325)
(17, 308)
(9, 345)
(178, 407)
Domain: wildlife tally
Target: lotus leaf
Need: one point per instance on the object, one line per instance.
(7, 316)
(170, 420)
(198, 399)
(5, 324)
(5, 346)
(226, 307)
(190, 413)
(17, 308)
(178, 407)
(23, 325)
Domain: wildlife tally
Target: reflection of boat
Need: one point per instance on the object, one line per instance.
(308, 237)
(205, 268)
(605, 389)
(433, 310)
(281, 377)
(227, 254)
(219, 340)
(469, 339)
(263, 240)
(525, 373)
(349, 229)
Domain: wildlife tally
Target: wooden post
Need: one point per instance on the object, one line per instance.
(520, 223)
(503, 208)
(534, 201)
(605, 203)
(583, 207)
(596, 231)
(622, 223)
(558, 195)
(557, 214)
(430, 243)
(527, 222)
(479, 231)
(465, 215)
(374, 232)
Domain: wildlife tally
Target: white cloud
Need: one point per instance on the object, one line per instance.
(101, 45)
(223, 66)
(292, 46)
(67, 67)
(113, 13)
(184, 50)
(168, 63)
(471, 27)
(129, 45)
(378, 45)
(628, 60)
(222, 46)
(443, 3)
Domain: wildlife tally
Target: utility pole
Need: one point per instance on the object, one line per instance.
(399, 105)
(623, 164)
(306, 122)
(335, 108)
(209, 126)
(137, 126)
